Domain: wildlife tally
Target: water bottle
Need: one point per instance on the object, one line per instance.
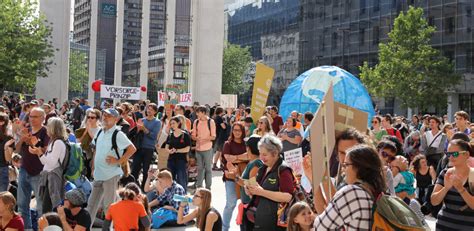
(182, 198)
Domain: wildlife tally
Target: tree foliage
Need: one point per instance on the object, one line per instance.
(236, 62)
(25, 45)
(409, 68)
(78, 71)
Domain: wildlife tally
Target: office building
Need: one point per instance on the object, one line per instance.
(266, 26)
(346, 33)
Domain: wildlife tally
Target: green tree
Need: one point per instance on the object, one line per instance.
(409, 68)
(25, 45)
(78, 71)
(236, 62)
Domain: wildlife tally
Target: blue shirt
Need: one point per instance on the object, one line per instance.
(153, 126)
(102, 170)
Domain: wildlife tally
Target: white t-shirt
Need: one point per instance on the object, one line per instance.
(429, 138)
(53, 156)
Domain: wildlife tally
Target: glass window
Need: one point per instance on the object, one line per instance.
(334, 40)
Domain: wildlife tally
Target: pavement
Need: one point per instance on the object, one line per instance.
(219, 200)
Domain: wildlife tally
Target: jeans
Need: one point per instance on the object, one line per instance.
(103, 193)
(142, 160)
(179, 170)
(204, 166)
(27, 184)
(4, 182)
(231, 202)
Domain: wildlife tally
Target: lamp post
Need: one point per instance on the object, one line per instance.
(343, 43)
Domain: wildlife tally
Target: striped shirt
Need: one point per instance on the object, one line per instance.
(454, 214)
(350, 209)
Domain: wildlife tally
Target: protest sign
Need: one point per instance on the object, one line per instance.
(294, 158)
(261, 87)
(322, 135)
(346, 116)
(228, 101)
(185, 99)
(118, 92)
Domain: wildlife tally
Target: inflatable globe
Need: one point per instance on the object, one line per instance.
(306, 92)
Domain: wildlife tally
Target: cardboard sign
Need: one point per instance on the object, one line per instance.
(185, 99)
(322, 135)
(261, 88)
(294, 158)
(346, 116)
(118, 92)
(228, 101)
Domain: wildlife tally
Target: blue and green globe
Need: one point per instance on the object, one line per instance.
(306, 92)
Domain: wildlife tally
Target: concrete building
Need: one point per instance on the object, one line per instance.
(205, 69)
(57, 13)
(264, 26)
(346, 33)
(280, 51)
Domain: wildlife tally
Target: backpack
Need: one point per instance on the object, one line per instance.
(125, 166)
(73, 163)
(208, 124)
(392, 213)
(284, 208)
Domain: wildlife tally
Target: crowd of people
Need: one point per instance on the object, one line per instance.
(140, 161)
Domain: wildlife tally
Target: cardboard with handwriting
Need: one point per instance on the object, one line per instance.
(346, 116)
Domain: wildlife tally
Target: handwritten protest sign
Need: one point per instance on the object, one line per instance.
(294, 158)
(185, 99)
(228, 101)
(322, 135)
(118, 92)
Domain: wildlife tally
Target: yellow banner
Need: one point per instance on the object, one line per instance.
(261, 88)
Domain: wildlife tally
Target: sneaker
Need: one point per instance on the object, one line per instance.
(215, 168)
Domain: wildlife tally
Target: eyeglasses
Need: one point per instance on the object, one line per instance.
(454, 154)
(91, 117)
(34, 117)
(345, 164)
(375, 122)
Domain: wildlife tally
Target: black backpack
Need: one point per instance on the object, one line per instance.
(125, 166)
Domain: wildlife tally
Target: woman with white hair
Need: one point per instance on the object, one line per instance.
(273, 185)
(51, 178)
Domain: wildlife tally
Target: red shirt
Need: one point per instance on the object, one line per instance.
(395, 132)
(277, 122)
(15, 223)
(131, 122)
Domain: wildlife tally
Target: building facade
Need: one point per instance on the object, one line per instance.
(102, 17)
(346, 33)
(265, 26)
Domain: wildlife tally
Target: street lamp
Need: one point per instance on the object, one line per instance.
(343, 43)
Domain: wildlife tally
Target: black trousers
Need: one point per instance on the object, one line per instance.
(141, 161)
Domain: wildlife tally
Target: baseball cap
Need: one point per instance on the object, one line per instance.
(252, 143)
(112, 111)
(75, 197)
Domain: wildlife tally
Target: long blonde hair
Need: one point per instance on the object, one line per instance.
(206, 197)
(266, 121)
(9, 200)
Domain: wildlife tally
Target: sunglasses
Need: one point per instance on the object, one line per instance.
(454, 154)
(91, 117)
(387, 155)
(375, 122)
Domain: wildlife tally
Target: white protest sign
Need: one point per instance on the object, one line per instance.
(228, 101)
(185, 99)
(118, 92)
(294, 158)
